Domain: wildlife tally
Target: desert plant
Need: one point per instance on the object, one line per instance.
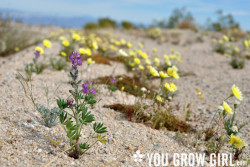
(13, 38)
(216, 142)
(49, 116)
(223, 22)
(186, 24)
(35, 67)
(91, 26)
(106, 23)
(127, 25)
(75, 113)
(237, 63)
(58, 64)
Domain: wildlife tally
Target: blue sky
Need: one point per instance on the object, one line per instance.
(139, 11)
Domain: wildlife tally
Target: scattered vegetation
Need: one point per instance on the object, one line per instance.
(14, 38)
(127, 25)
(226, 116)
(156, 120)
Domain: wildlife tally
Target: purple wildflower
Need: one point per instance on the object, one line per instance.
(113, 80)
(92, 91)
(37, 55)
(85, 88)
(70, 102)
(75, 59)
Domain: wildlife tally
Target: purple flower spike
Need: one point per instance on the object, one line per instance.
(85, 88)
(70, 102)
(113, 80)
(92, 91)
(37, 55)
(75, 58)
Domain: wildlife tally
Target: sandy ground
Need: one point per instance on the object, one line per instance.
(25, 143)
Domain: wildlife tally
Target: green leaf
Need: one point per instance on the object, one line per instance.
(62, 104)
(101, 139)
(87, 117)
(84, 146)
(63, 117)
(98, 128)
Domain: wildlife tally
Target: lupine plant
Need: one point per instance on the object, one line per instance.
(34, 67)
(75, 112)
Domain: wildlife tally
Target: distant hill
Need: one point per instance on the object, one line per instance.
(41, 19)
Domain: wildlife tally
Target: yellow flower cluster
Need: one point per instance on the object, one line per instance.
(47, 43)
(170, 87)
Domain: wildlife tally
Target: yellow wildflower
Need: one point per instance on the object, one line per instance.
(47, 43)
(65, 43)
(157, 61)
(144, 55)
(141, 67)
(170, 87)
(129, 45)
(82, 51)
(94, 45)
(76, 37)
(225, 38)
(236, 92)
(122, 89)
(163, 74)
(137, 61)
(123, 42)
(158, 98)
(148, 61)
(227, 108)
(88, 52)
(246, 43)
(153, 71)
(236, 141)
(63, 54)
(90, 61)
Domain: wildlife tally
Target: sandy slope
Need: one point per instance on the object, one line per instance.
(27, 144)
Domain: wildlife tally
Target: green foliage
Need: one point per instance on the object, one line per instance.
(127, 25)
(34, 68)
(58, 64)
(154, 32)
(222, 22)
(112, 88)
(106, 23)
(50, 117)
(237, 63)
(91, 26)
(220, 48)
(14, 38)
(178, 16)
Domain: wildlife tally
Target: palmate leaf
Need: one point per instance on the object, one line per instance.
(101, 139)
(87, 117)
(84, 146)
(62, 104)
(63, 117)
(98, 128)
